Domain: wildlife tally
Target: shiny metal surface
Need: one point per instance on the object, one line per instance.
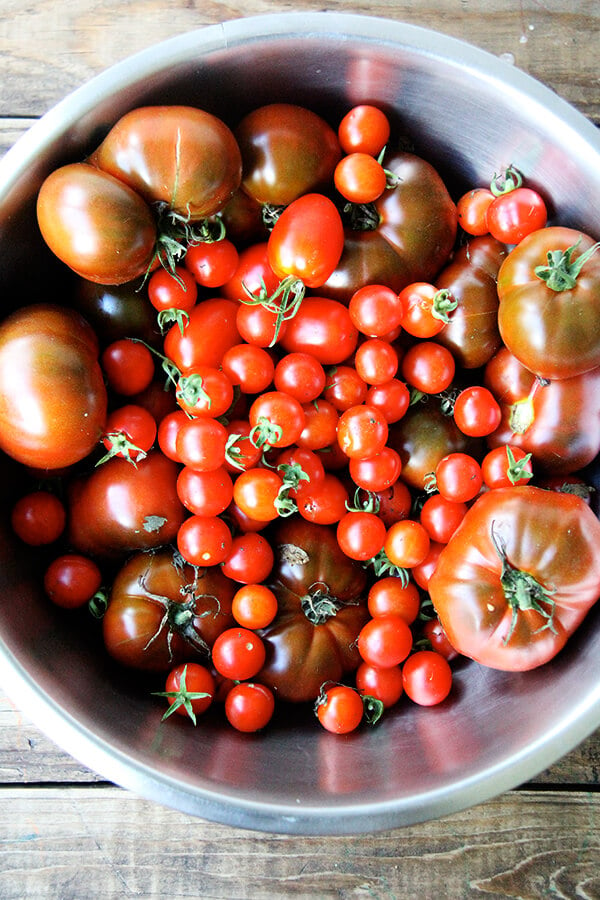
(470, 114)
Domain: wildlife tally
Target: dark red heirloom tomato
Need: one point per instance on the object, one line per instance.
(322, 608)
(118, 508)
(163, 611)
(557, 421)
(52, 394)
(549, 314)
(471, 333)
(287, 151)
(518, 576)
(178, 155)
(96, 224)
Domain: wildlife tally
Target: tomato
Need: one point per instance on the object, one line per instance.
(189, 689)
(394, 502)
(238, 653)
(435, 634)
(360, 535)
(205, 493)
(301, 375)
(364, 129)
(515, 214)
(130, 432)
(173, 295)
(378, 472)
(360, 178)
(181, 156)
(302, 465)
(471, 333)
(287, 151)
(210, 331)
(212, 263)
(249, 366)
(72, 580)
(426, 678)
(406, 543)
(257, 491)
(204, 540)
(168, 430)
(307, 240)
(254, 606)
(344, 387)
(506, 465)
(375, 310)
(362, 432)
(557, 421)
(322, 608)
(163, 611)
(385, 641)
(384, 685)
(500, 599)
(200, 443)
(96, 224)
(392, 398)
(441, 517)
(276, 419)
(249, 560)
(458, 477)
(429, 367)
(390, 595)
(424, 570)
(115, 311)
(38, 518)
(549, 314)
(52, 395)
(119, 508)
(241, 453)
(376, 361)
(323, 502)
(339, 709)
(323, 328)
(249, 706)
(425, 310)
(204, 391)
(476, 411)
(253, 270)
(472, 210)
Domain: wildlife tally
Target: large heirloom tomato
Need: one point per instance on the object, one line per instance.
(472, 330)
(163, 611)
(518, 576)
(52, 395)
(322, 607)
(549, 290)
(119, 508)
(96, 224)
(178, 155)
(557, 421)
(287, 151)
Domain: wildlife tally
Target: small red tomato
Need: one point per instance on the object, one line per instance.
(339, 709)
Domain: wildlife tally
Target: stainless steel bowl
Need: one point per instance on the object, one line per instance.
(470, 114)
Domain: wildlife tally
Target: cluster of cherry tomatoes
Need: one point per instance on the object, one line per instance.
(301, 370)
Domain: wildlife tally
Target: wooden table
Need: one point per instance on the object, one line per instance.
(66, 834)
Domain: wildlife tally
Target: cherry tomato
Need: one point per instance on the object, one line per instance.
(514, 215)
(301, 375)
(392, 596)
(360, 178)
(392, 398)
(204, 540)
(385, 641)
(362, 431)
(190, 689)
(441, 517)
(375, 310)
(429, 367)
(324, 502)
(344, 387)
(168, 429)
(360, 535)
(472, 210)
(477, 412)
(256, 492)
(505, 466)
(427, 678)
(276, 419)
(200, 443)
(376, 473)
(323, 328)
(254, 606)
(72, 580)
(128, 366)
(252, 273)
(212, 263)
(302, 465)
(339, 709)
(238, 653)
(406, 543)
(458, 477)
(204, 391)
(249, 560)
(38, 518)
(320, 425)
(249, 366)
(210, 330)
(425, 310)
(434, 632)
(307, 240)
(205, 493)
(376, 361)
(364, 129)
(130, 432)
(249, 706)
(384, 685)
(168, 291)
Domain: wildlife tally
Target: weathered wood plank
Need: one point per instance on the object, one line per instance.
(104, 843)
(48, 48)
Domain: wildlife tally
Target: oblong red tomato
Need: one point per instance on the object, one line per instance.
(307, 240)
(210, 331)
(163, 611)
(287, 151)
(52, 395)
(322, 607)
(549, 291)
(178, 155)
(518, 576)
(119, 508)
(96, 224)
(323, 328)
(557, 421)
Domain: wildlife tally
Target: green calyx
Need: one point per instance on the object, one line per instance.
(562, 271)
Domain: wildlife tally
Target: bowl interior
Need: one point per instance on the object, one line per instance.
(470, 115)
